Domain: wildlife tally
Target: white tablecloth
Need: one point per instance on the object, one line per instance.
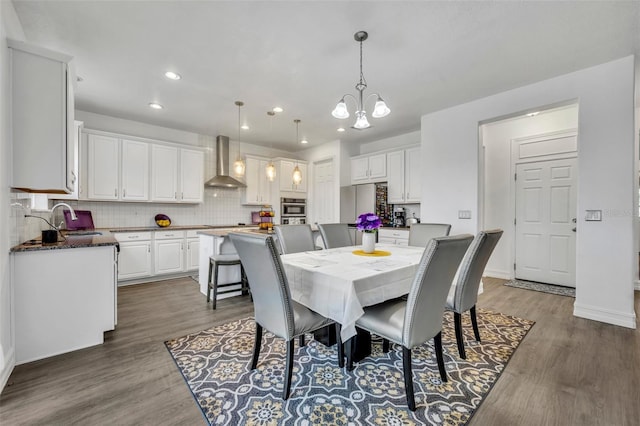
(338, 284)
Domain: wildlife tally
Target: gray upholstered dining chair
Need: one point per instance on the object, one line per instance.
(416, 320)
(335, 235)
(421, 233)
(274, 310)
(463, 294)
(295, 238)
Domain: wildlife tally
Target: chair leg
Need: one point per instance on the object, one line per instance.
(301, 341)
(408, 378)
(457, 320)
(339, 345)
(385, 345)
(474, 323)
(209, 281)
(256, 346)
(437, 343)
(289, 369)
(215, 284)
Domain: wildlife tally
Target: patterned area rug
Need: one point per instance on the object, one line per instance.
(545, 288)
(215, 364)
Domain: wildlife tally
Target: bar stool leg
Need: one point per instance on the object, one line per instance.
(215, 284)
(209, 281)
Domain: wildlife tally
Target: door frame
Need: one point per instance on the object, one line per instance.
(311, 188)
(519, 156)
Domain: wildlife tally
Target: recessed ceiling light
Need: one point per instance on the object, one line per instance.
(155, 105)
(277, 109)
(304, 141)
(244, 127)
(533, 114)
(172, 75)
(341, 129)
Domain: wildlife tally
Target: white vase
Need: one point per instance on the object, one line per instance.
(368, 242)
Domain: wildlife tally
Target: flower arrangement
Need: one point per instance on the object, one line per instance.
(368, 222)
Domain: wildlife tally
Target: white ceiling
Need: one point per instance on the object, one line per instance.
(301, 55)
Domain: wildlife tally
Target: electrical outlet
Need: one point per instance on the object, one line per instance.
(593, 216)
(464, 214)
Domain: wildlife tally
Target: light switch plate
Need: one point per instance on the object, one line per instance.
(464, 214)
(593, 216)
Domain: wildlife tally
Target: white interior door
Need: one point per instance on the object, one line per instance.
(545, 221)
(323, 192)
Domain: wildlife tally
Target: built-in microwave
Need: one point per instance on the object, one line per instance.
(293, 207)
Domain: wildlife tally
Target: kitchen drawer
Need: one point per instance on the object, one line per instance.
(394, 233)
(132, 236)
(168, 235)
(193, 233)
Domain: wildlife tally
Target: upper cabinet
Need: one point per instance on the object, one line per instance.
(403, 180)
(42, 119)
(285, 168)
(368, 168)
(119, 168)
(258, 190)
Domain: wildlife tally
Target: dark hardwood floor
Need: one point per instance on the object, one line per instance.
(567, 371)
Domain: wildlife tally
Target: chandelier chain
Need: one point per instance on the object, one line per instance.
(363, 82)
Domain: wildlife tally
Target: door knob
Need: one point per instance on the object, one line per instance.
(574, 229)
(573, 220)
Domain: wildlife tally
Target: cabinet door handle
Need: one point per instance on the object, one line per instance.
(148, 248)
(133, 237)
(124, 193)
(175, 195)
(73, 176)
(182, 195)
(115, 192)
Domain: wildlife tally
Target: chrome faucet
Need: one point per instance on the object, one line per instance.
(73, 213)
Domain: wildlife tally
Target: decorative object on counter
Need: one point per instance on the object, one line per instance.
(368, 223)
(379, 110)
(49, 236)
(375, 253)
(238, 165)
(297, 174)
(162, 220)
(413, 220)
(266, 215)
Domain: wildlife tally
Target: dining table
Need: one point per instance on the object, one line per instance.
(340, 282)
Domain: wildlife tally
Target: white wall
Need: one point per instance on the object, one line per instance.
(606, 265)
(395, 142)
(498, 175)
(9, 27)
(326, 151)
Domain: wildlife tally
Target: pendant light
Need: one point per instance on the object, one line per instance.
(238, 165)
(271, 168)
(297, 174)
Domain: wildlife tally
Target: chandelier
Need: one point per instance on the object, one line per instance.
(238, 165)
(380, 108)
(297, 173)
(271, 168)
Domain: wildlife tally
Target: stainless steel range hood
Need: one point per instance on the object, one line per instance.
(222, 178)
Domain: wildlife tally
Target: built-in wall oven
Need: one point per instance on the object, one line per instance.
(293, 211)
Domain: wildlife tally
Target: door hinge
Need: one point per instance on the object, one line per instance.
(514, 220)
(515, 176)
(514, 266)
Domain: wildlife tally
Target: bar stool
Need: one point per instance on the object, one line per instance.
(227, 257)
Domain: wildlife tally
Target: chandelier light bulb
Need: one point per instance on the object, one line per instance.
(238, 167)
(380, 109)
(271, 172)
(340, 110)
(361, 121)
(297, 176)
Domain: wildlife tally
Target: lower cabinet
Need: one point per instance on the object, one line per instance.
(399, 237)
(169, 252)
(134, 260)
(145, 255)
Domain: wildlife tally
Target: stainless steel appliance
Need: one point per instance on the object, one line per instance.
(399, 216)
(358, 199)
(293, 211)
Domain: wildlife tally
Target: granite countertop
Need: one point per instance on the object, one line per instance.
(71, 241)
(223, 232)
(77, 240)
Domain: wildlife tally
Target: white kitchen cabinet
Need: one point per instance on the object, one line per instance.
(42, 110)
(177, 175)
(117, 169)
(192, 253)
(164, 173)
(191, 176)
(399, 237)
(368, 168)
(75, 172)
(135, 256)
(258, 190)
(57, 311)
(168, 252)
(403, 178)
(285, 172)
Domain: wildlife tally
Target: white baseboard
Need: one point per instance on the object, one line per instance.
(495, 273)
(8, 368)
(605, 315)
